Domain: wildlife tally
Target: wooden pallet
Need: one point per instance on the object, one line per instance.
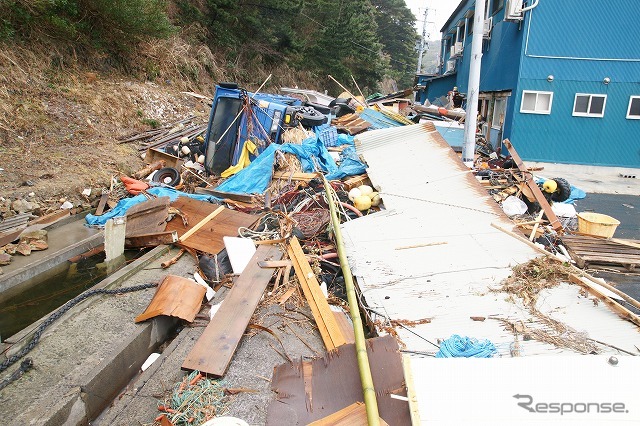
(588, 251)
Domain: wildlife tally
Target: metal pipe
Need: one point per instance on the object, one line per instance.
(473, 88)
(370, 401)
(533, 6)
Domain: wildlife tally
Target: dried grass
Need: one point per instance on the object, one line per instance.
(529, 279)
(526, 283)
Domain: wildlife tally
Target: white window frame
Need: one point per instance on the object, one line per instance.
(588, 114)
(629, 116)
(498, 125)
(534, 111)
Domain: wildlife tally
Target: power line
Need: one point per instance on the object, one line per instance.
(357, 44)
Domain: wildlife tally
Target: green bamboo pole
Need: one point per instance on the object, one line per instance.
(370, 401)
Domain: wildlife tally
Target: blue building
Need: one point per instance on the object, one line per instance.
(559, 78)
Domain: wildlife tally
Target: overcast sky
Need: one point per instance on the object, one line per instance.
(439, 11)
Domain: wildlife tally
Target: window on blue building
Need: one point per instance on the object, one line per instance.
(496, 6)
(534, 102)
(633, 112)
(588, 105)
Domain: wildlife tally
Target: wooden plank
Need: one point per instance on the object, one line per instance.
(274, 263)
(147, 217)
(352, 415)
(207, 239)
(345, 326)
(306, 177)
(553, 219)
(411, 389)
(151, 240)
(102, 204)
(176, 297)
(214, 349)
(620, 310)
(200, 224)
(325, 320)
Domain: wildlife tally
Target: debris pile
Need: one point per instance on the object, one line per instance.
(257, 197)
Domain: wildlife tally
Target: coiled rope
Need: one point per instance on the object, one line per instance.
(464, 347)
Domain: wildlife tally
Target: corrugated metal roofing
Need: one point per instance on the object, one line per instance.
(434, 254)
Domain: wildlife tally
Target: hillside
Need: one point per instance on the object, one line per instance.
(75, 76)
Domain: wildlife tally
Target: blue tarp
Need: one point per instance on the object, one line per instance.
(313, 155)
(125, 204)
(576, 193)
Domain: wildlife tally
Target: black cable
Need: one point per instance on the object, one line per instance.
(57, 314)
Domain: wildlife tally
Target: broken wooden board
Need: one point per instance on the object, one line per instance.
(553, 219)
(356, 181)
(151, 240)
(147, 217)
(325, 320)
(214, 349)
(208, 238)
(588, 251)
(353, 415)
(152, 155)
(306, 177)
(620, 310)
(351, 123)
(175, 297)
(102, 203)
(310, 391)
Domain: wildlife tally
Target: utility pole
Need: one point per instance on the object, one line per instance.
(471, 117)
(422, 40)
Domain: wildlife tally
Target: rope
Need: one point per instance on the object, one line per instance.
(465, 347)
(64, 308)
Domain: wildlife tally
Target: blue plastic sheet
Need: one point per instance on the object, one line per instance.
(255, 178)
(350, 165)
(125, 204)
(576, 193)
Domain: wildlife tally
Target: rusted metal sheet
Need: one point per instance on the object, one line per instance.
(176, 297)
(310, 391)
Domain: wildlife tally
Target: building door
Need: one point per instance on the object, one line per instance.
(497, 118)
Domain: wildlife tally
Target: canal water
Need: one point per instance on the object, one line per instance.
(53, 291)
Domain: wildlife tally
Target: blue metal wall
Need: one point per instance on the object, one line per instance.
(556, 33)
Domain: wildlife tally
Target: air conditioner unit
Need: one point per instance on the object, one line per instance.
(452, 51)
(459, 48)
(486, 28)
(451, 66)
(513, 10)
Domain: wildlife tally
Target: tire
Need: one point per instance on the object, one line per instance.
(320, 108)
(563, 192)
(310, 117)
(167, 176)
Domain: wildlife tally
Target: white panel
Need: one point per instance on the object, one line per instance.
(459, 391)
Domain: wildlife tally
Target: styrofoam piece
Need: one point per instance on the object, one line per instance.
(214, 309)
(240, 252)
(150, 360)
(210, 292)
(564, 210)
(225, 421)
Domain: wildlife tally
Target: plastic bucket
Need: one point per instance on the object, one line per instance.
(597, 224)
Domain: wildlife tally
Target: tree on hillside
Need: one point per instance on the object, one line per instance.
(396, 33)
(344, 42)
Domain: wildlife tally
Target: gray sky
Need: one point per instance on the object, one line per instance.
(439, 11)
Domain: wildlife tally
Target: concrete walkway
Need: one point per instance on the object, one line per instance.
(66, 239)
